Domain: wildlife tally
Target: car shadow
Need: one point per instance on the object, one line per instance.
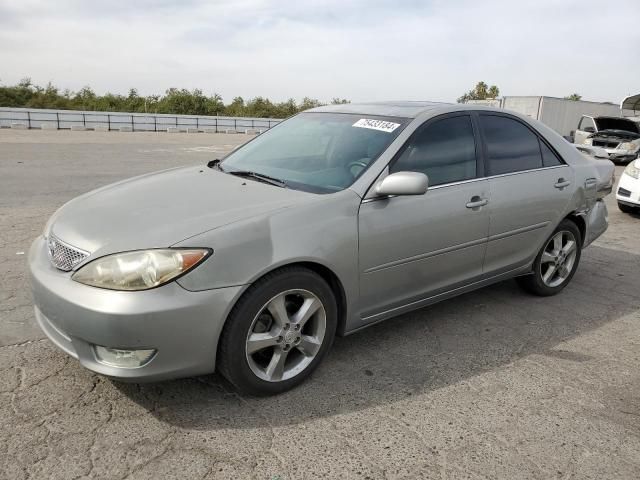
(418, 352)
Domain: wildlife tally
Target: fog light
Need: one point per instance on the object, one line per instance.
(117, 357)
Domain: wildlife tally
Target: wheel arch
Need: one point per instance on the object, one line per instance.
(334, 282)
(580, 222)
(326, 273)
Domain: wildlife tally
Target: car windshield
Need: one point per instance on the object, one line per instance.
(317, 152)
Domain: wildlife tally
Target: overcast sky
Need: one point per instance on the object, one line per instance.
(360, 50)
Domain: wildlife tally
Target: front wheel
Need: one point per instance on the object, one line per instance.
(278, 332)
(556, 263)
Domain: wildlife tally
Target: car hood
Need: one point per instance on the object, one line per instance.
(619, 134)
(161, 209)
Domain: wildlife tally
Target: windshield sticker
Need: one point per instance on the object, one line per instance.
(376, 125)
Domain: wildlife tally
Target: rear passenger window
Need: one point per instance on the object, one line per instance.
(511, 147)
(549, 158)
(445, 150)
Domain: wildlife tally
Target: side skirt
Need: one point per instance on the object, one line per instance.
(424, 302)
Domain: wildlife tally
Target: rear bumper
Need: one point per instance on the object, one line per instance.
(183, 326)
(597, 221)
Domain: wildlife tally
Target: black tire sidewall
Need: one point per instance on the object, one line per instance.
(231, 356)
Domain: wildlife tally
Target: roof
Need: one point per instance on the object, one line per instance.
(385, 109)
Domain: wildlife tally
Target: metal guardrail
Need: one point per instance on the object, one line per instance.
(137, 122)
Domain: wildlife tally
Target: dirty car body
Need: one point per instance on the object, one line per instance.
(381, 248)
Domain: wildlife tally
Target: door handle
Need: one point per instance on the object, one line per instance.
(561, 183)
(477, 202)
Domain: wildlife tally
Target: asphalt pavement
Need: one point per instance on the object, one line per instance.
(495, 384)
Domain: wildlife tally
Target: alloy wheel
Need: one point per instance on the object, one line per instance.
(558, 258)
(286, 335)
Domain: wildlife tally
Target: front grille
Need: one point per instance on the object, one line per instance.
(604, 144)
(623, 192)
(64, 256)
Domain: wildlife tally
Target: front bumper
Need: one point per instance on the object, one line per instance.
(183, 326)
(617, 156)
(628, 191)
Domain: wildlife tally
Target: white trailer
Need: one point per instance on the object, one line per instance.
(557, 113)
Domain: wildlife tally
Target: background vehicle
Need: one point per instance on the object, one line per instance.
(559, 114)
(628, 193)
(619, 136)
(333, 220)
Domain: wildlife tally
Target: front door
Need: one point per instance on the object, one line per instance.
(412, 247)
(585, 128)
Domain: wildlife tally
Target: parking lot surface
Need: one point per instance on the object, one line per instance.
(494, 384)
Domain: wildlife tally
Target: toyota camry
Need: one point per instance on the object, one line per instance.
(336, 219)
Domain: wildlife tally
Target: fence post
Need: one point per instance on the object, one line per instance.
(198, 123)
(57, 121)
(216, 124)
(155, 123)
(108, 122)
(28, 119)
(133, 129)
(235, 124)
(84, 120)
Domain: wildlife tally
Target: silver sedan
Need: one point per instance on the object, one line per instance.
(338, 218)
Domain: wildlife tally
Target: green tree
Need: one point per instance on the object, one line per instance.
(573, 96)
(235, 108)
(481, 92)
(308, 103)
(174, 101)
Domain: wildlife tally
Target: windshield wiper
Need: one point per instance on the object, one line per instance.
(248, 174)
(258, 176)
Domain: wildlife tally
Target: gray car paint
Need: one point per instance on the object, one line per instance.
(386, 256)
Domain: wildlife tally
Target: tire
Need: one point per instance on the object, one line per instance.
(544, 282)
(625, 208)
(264, 353)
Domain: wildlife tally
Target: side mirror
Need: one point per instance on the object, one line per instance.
(403, 183)
(589, 130)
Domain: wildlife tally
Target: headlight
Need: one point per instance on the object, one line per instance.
(628, 146)
(632, 170)
(139, 270)
(588, 141)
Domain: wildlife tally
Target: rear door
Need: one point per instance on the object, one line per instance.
(530, 188)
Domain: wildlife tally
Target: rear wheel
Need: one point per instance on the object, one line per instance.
(625, 208)
(278, 333)
(556, 262)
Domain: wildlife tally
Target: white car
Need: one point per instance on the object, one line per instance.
(619, 137)
(628, 193)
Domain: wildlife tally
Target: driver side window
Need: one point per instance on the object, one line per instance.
(445, 150)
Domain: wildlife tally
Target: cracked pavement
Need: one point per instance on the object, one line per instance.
(493, 384)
